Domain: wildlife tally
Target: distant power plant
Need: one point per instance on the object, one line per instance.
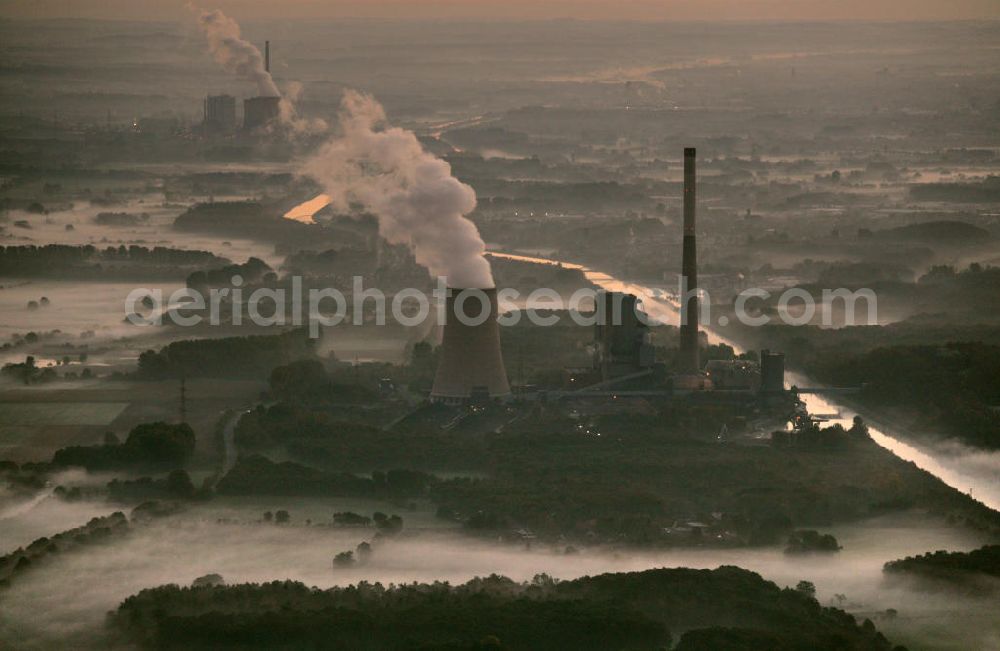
(260, 111)
(220, 113)
(471, 367)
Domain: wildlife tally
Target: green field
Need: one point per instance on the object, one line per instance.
(59, 413)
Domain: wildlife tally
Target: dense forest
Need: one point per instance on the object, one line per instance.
(229, 357)
(258, 475)
(953, 389)
(251, 271)
(88, 262)
(620, 478)
(612, 611)
(149, 445)
(251, 220)
(637, 480)
(978, 569)
(987, 191)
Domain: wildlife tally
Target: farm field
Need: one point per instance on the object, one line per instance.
(60, 413)
(37, 421)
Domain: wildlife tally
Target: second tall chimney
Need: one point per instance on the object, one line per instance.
(689, 362)
(267, 56)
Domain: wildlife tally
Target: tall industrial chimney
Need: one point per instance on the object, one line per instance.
(471, 363)
(689, 362)
(267, 56)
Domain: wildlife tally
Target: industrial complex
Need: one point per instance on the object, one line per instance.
(471, 367)
(258, 112)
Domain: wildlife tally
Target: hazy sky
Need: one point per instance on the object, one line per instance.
(522, 9)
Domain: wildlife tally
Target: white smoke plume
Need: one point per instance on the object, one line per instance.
(233, 53)
(289, 116)
(416, 199)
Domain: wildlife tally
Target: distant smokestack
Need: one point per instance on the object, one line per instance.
(689, 362)
(267, 56)
(471, 362)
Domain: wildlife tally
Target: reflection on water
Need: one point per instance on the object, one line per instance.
(971, 471)
(305, 211)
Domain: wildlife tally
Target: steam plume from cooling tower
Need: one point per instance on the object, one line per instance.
(235, 54)
(413, 194)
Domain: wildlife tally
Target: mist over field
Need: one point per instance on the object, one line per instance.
(244, 550)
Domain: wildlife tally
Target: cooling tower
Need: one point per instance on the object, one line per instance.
(471, 363)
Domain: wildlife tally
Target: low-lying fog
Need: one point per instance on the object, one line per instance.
(75, 307)
(23, 520)
(157, 230)
(97, 309)
(65, 598)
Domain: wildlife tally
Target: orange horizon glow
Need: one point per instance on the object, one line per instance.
(619, 10)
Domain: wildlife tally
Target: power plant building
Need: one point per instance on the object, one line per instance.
(733, 374)
(260, 112)
(471, 367)
(471, 364)
(220, 113)
(772, 371)
(621, 336)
